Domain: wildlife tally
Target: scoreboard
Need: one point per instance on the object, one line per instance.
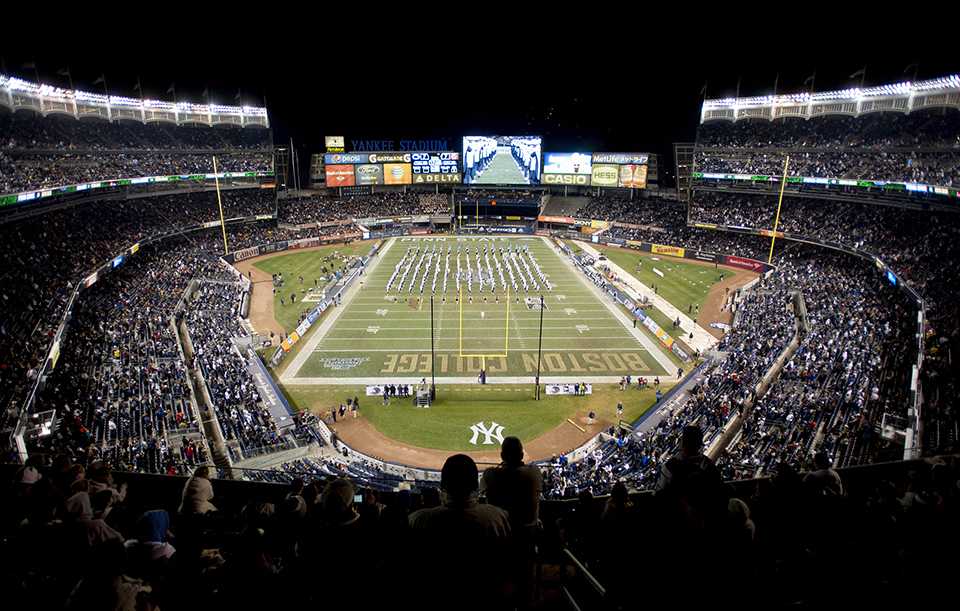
(436, 167)
(392, 168)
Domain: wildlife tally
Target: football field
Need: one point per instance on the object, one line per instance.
(490, 321)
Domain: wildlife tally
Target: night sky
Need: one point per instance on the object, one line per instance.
(612, 93)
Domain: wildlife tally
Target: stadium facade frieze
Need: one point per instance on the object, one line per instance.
(903, 97)
(17, 94)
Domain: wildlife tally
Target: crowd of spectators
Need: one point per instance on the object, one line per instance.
(212, 318)
(639, 211)
(49, 254)
(851, 367)
(920, 246)
(933, 168)
(120, 390)
(29, 170)
(75, 537)
(51, 151)
(319, 209)
(923, 147)
(936, 128)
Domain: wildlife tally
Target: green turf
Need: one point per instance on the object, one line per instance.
(387, 334)
(308, 264)
(684, 284)
(446, 425)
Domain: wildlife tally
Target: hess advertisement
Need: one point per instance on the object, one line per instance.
(605, 175)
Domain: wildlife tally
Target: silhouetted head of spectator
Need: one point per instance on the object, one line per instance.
(101, 502)
(821, 460)
(337, 502)
(99, 472)
(296, 486)
(691, 441)
(511, 451)
(459, 477)
(619, 495)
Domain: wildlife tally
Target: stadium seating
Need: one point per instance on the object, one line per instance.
(918, 147)
(54, 151)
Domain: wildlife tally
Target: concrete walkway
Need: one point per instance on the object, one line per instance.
(307, 351)
(702, 339)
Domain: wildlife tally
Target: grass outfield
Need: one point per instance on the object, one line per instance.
(683, 283)
(446, 425)
(386, 334)
(308, 264)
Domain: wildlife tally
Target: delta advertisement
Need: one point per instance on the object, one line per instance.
(741, 262)
(673, 251)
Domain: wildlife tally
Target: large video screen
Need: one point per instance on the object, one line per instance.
(502, 160)
(566, 168)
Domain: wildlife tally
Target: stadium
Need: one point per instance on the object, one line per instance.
(478, 370)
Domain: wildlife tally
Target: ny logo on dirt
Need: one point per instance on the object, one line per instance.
(494, 432)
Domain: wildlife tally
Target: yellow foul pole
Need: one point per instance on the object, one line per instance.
(776, 220)
(223, 226)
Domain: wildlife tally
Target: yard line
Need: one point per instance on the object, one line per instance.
(427, 349)
(440, 339)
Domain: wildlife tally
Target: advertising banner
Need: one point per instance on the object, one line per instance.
(578, 180)
(396, 174)
(605, 175)
(377, 391)
(633, 176)
(567, 389)
(599, 224)
(673, 251)
(246, 253)
(369, 174)
(702, 256)
(750, 264)
(620, 158)
(333, 144)
(349, 158)
(340, 176)
(665, 339)
(390, 158)
(441, 179)
(566, 163)
(564, 220)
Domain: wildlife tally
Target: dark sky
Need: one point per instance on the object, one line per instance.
(613, 90)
